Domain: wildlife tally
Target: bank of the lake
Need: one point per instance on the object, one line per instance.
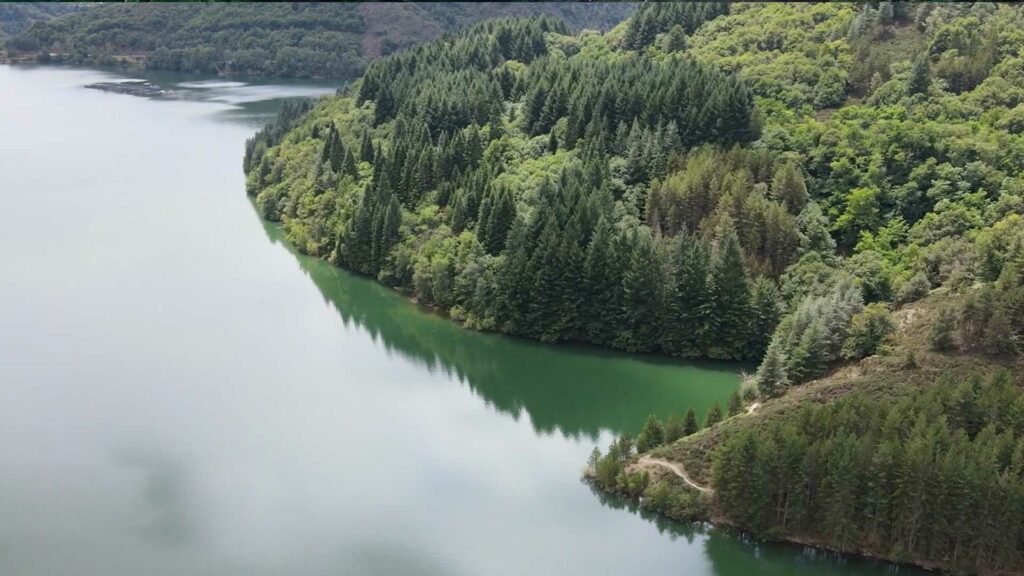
(181, 393)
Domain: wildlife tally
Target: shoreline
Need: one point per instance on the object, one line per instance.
(719, 521)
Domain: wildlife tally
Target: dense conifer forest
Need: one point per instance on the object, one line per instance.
(804, 186)
(318, 40)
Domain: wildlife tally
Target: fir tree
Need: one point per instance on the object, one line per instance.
(789, 189)
(714, 415)
(641, 290)
(771, 377)
(366, 152)
(735, 404)
(731, 296)
(651, 436)
(919, 75)
(941, 335)
(690, 426)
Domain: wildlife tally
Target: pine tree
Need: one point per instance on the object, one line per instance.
(327, 150)
(789, 189)
(358, 241)
(349, 165)
(642, 294)
(731, 296)
(573, 259)
(546, 271)
(460, 211)
(767, 309)
(809, 357)
(690, 426)
(689, 299)
(714, 416)
(919, 75)
(390, 226)
(502, 214)
(999, 339)
(675, 428)
(735, 404)
(603, 282)
(651, 436)
(771, 377)
(941, 335)
(337, 153)
(484, 221)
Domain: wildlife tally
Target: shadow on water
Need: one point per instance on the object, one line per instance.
(732, 551)
(572, 389)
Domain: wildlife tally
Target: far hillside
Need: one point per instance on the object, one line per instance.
(15, 17)
(303, 40)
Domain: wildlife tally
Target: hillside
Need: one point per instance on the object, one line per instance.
(915, 455)
(639, 198)
(269, 39)
(17, 16)
(815, 187)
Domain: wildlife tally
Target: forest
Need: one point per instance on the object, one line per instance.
(302, 40)
(17, 16)
(790, 185)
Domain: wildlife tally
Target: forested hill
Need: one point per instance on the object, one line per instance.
(815, 187)
(319, 40)
(701, 181)
(17, 16)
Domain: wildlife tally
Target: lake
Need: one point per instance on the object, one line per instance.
(182, 393)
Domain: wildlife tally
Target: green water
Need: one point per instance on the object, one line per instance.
(180, 393)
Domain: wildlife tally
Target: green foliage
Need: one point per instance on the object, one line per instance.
(653, 18)
(937, 474)
(617, 190)
(270, 39)
(267, 39)
(651, 435)
(674, 502)
(795, 53)
(17, 16)
(870, 329)
(941, 335)
(714, 415)
(690, 426)
(487, 219)
(735, 404)
(675, 428)
(812, 336)
(771, 376)
(914, 289)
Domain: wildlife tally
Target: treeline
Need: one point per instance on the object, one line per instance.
(17, 16)
(654, 18)
(600, 100)
(305, 40)
(938, 475)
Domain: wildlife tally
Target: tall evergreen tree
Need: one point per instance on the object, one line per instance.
(731, 295)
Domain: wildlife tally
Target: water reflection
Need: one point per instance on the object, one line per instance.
(576, 391)
(731, 551)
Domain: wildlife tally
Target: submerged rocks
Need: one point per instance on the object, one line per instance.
(133, 87)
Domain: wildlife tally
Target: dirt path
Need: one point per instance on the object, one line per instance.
(675, 469)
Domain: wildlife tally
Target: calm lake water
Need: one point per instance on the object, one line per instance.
(180, 393)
